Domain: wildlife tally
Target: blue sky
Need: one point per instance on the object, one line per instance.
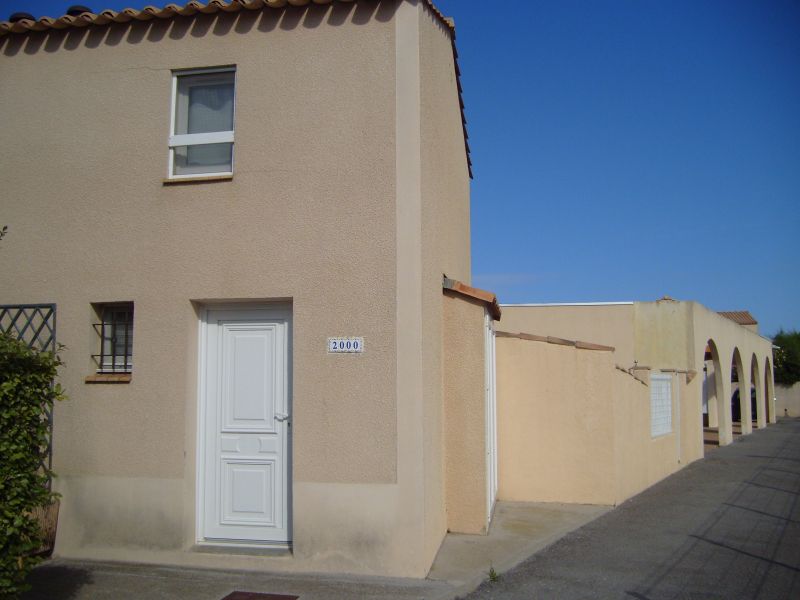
(627, 150)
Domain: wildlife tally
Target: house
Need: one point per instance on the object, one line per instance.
(242, 212)
(599, 421)
(249, 223)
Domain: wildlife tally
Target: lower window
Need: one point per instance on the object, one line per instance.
(115, 333)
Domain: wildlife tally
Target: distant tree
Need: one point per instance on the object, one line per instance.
(3, 231)
(787, 357)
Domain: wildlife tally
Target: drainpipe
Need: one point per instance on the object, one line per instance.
(678, 425)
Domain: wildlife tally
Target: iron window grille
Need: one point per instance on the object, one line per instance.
(115, 331)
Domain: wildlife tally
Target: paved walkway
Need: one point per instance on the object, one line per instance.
(726, 527)
(518, 530)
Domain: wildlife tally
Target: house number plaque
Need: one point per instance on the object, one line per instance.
(347, 345)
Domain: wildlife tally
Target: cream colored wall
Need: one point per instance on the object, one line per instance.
(663, 334)
(631, 406)
(464, 414)
(555, 423)
(573, 427)
(642, 460)
(691, 417)
(310, 216)
(445, 211)
(608, 324)
(787, 400)
(546, 398)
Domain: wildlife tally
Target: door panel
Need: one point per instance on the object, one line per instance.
(248, 492)
(244, 473)
(248, 377)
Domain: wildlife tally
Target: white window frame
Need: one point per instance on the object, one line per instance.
(195, 139)
(660, 378)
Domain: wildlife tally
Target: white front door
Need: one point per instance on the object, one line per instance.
(244, 427)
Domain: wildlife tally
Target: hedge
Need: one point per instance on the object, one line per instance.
(27, 393)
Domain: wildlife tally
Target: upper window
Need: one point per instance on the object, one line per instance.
(201, 136)
(660, 404)
(115, 331)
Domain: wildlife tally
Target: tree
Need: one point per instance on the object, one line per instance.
(787, 357)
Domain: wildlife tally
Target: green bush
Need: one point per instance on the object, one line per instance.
(27, 392)
(787, 357)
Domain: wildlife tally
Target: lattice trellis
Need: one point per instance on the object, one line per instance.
(35, 325)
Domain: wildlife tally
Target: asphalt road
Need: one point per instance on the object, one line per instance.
(726, 527)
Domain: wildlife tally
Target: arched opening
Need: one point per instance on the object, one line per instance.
(757, 395)
(769, 392)
(712, 396)
(740, 401)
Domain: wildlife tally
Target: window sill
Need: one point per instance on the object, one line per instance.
(199, 179)
(109, 378)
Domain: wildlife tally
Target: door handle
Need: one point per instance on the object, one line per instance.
(281, 417)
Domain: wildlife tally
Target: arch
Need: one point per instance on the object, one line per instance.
(740, 402)
(717, 423)
(769, 391)
(758, 390)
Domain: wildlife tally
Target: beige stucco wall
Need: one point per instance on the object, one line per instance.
(573, 427)
(464, 414)
(445, 244)
(310, 218)
(787, 400)
(608, 324)
(663, 334)
(555, 424)
(666, 334)
(642, 460)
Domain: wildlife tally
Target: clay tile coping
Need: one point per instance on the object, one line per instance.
(742, 317)
(488, 298)
(555, 340)
(106, 17)
(591, 346)
(531, 337)
(560, 341)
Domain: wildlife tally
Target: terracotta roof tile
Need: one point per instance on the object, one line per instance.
(105, 17)
(742, 317)
(487, 298)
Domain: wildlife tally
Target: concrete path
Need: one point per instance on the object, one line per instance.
(518, 530)
(726, 527)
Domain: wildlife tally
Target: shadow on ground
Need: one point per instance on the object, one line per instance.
(57, 581)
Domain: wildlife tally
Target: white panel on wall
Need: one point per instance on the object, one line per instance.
(660, 404)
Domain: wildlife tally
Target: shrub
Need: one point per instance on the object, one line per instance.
(787, 357)
(27, 393)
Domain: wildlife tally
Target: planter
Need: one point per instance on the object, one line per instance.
(47, 517)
